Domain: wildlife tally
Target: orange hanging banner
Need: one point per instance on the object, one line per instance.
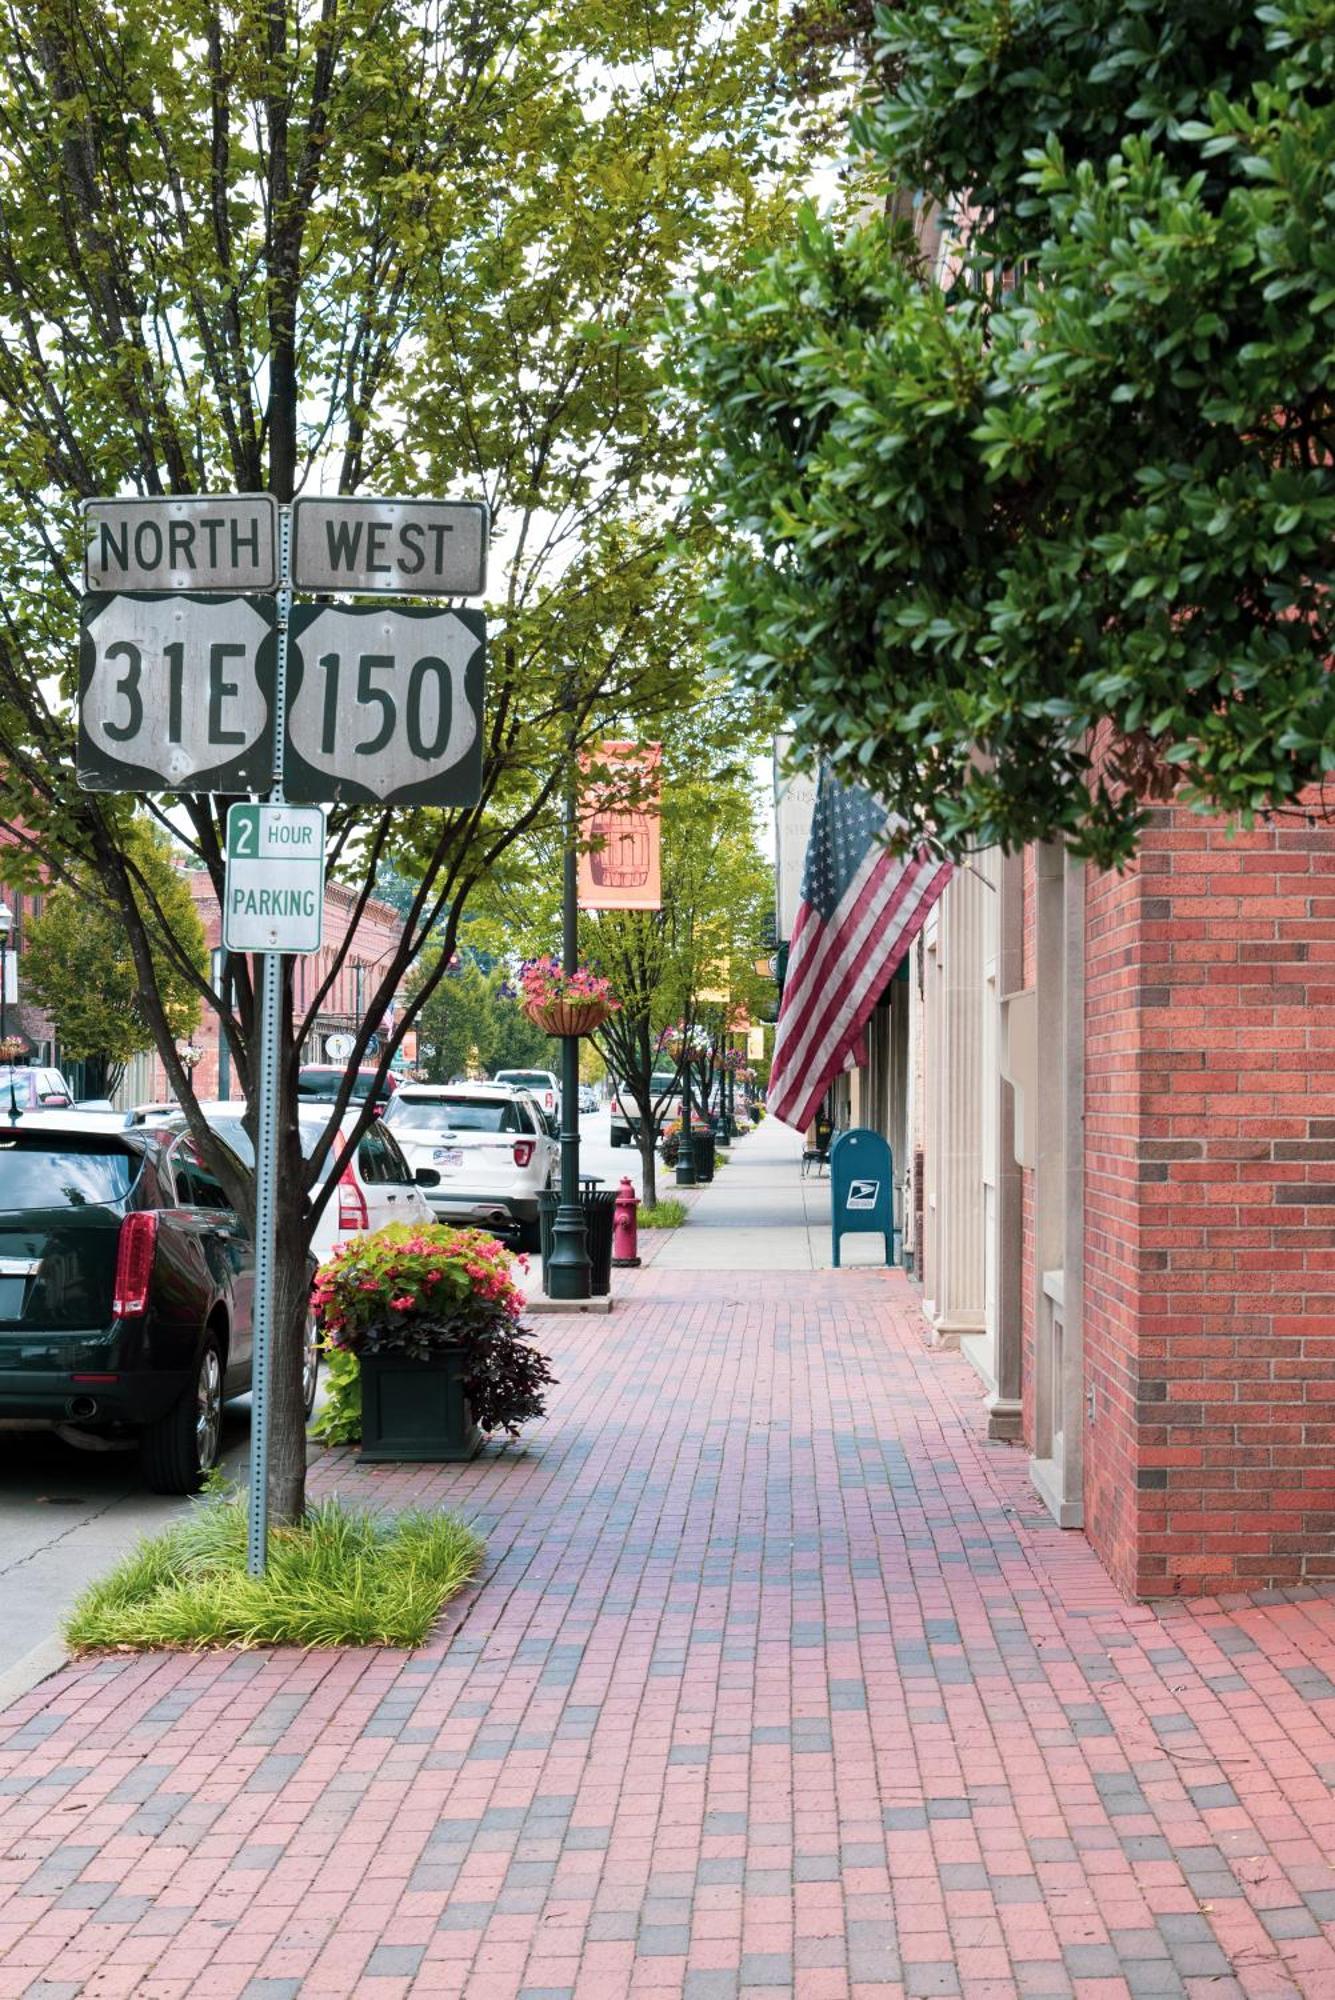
(619, 859)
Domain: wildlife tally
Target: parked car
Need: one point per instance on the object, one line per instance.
(320, 1083)
(541, 1086)
(490, 1146)
(156, 1113)
(588, 1097)
(24, 1089)
(375, 1186)
(626, 1119)
(126, 1288)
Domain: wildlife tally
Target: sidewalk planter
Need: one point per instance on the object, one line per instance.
(417, 1411)
(427, 1355)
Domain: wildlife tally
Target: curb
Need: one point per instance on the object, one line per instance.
(45, 1659)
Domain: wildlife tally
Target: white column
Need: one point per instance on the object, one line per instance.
(956, 1056)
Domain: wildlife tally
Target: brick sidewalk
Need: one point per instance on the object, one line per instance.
(778, 1682)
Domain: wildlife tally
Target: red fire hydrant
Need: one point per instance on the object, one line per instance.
(625, 1234)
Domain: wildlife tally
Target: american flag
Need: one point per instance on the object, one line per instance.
(860, 910)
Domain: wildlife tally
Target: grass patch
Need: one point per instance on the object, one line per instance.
(341, 1579)
(662, 1215)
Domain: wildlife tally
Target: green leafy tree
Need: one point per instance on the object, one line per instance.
(1033, 546)
(79, 968)
(374, 245)
(473, 1021)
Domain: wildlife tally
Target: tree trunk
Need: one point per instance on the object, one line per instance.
(287, 1415)
(648, 1165)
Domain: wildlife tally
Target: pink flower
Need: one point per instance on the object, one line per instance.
(402, 1304)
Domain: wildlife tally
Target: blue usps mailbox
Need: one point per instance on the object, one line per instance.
(862, 1188)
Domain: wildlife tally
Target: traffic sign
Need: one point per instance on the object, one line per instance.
(189, 541)
(410, 548)
(385, 705)
(273, 895)
(176, 693)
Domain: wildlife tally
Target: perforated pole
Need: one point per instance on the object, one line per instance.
(266, 1137)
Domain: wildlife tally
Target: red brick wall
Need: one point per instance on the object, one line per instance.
(1118, 950)
(1210, 1209)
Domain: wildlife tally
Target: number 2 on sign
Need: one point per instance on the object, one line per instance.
(370, 696)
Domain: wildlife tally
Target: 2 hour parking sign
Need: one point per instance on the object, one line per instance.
(273, 895)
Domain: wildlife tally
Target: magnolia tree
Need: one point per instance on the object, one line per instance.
(1035, 538)
(382, 246)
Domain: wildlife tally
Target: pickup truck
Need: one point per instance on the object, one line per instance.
(626, 1119)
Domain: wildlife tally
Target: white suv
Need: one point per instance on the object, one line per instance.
(490, 1146)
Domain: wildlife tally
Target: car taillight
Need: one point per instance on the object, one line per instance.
(351, 1202)
(523, 1150)
(134, 1263)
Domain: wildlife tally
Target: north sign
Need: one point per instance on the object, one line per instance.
(385, 705)
(182, 542)
(176, 693)
(409, 548)
(273, 892)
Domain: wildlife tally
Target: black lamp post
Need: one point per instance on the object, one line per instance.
(686, 1143)
(6, 928)
(569, 1274)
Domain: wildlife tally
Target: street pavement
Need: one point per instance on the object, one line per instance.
(66, 1516)
(778, 1681)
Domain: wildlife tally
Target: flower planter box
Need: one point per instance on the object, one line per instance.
(567, 1017)
(416, 1410)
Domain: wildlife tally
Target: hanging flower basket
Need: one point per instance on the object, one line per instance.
(564, 1003)
(567, 1017)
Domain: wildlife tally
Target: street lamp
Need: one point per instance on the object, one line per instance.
(6, 927)
(569, 1273)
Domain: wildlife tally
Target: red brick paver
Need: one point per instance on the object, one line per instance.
(779, 1682)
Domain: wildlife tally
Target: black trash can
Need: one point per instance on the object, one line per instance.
(599, 1215)
(599, 1205)
(704, 1157)
(548, 1203)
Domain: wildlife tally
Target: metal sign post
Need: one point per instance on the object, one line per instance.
(180, 691)
(266, 1136)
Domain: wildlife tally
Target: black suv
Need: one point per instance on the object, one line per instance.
(126, 1284)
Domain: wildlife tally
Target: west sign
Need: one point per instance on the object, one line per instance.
(409, 548)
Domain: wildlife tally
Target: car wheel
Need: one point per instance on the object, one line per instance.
(310, 1368)
(181, 1448)
(528, 1238)
(618, 1137)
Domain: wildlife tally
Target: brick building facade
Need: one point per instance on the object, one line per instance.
(1111, 1099)
(376, 938)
